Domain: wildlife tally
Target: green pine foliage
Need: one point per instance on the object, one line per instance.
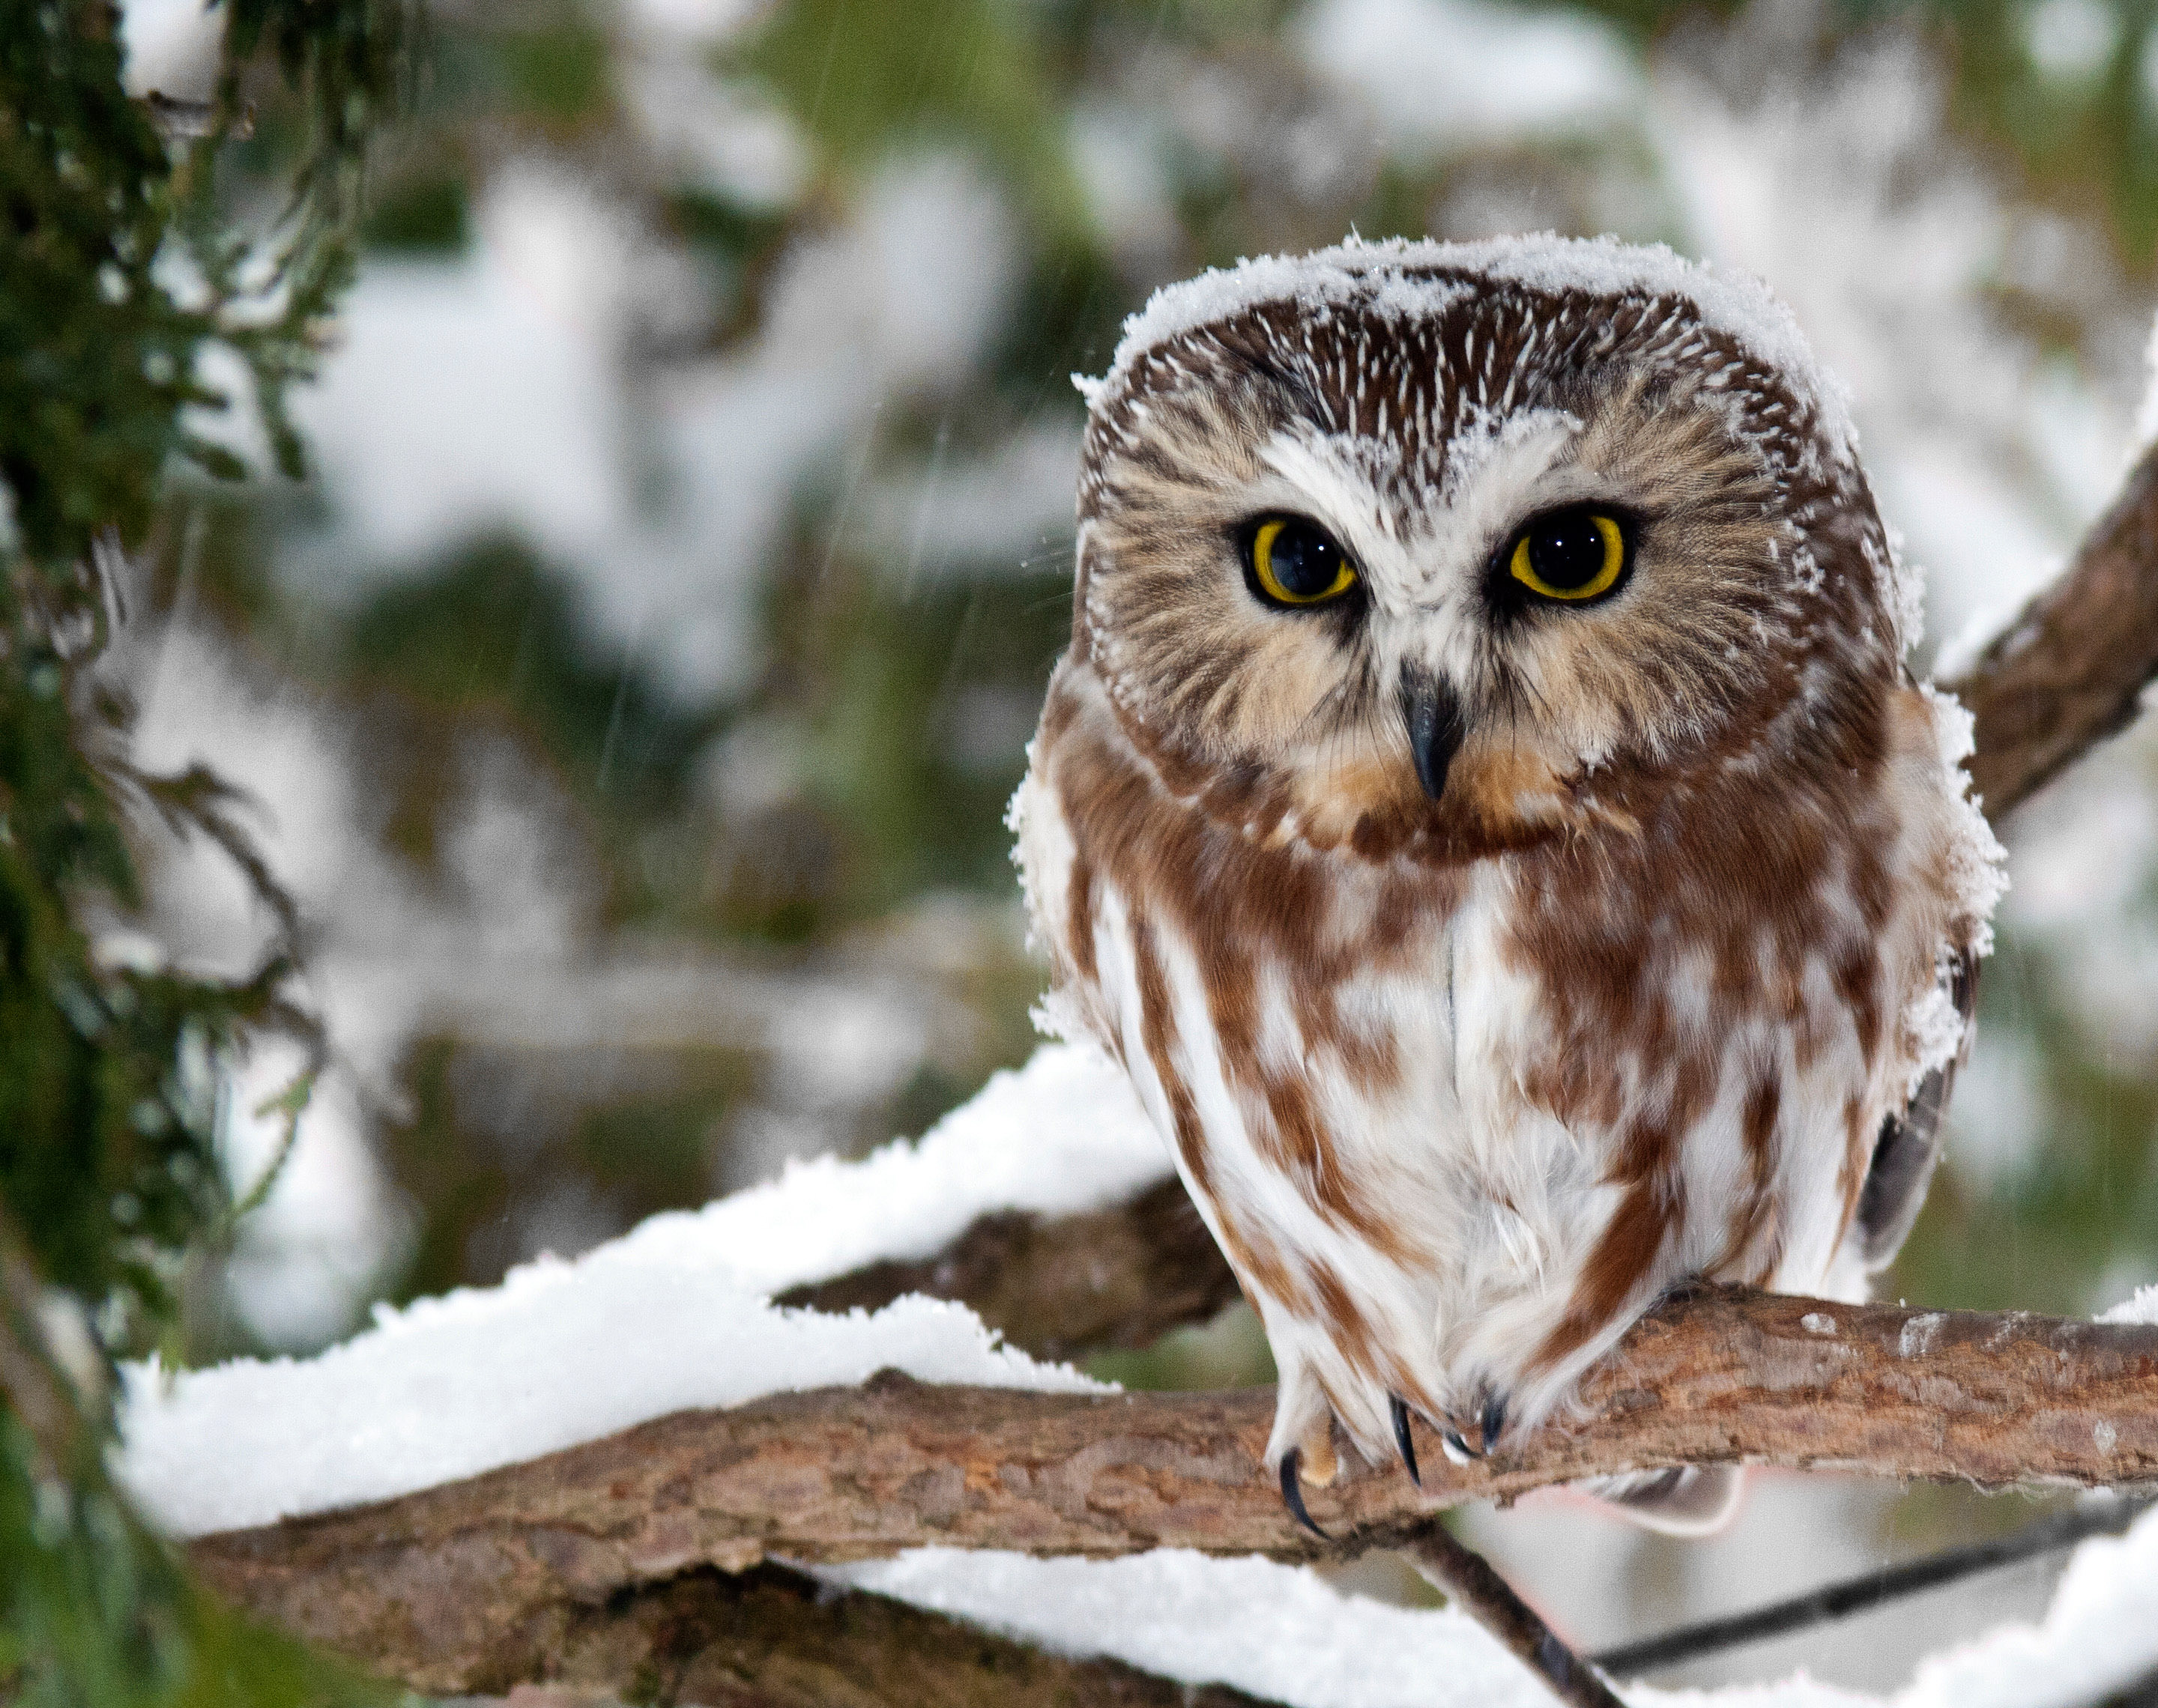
(118, 267)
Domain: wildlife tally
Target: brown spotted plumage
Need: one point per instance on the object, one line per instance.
(1496, 951)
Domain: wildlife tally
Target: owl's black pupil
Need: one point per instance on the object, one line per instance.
(1567, 551)
(1303, 560)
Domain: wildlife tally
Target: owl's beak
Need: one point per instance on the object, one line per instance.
(1432, 711)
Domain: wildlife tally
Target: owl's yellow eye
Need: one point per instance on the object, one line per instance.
(1571, 555)
(1295, 562)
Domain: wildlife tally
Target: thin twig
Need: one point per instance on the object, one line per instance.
(1871, 1589)
(1469, 1581)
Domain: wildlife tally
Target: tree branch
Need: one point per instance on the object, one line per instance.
(2071, 669)
(770, 1637)
(461, 1587)
(1061, 1285)
(1469, 1582)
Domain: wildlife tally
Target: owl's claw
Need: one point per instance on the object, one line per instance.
(1292, 1485)
(1402, 1438)
(1494, 1421)
(1457, 1449)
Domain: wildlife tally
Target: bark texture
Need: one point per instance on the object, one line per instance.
(2071, 669)
(1061, 1285)
(770, 1637)
(468, 1585)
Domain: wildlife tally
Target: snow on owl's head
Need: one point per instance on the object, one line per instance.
(1441, 547)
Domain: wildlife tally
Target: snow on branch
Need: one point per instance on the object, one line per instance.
(440, 1586)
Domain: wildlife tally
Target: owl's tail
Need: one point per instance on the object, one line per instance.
(1688, 1500)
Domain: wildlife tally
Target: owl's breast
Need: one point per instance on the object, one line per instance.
(1455, 1127)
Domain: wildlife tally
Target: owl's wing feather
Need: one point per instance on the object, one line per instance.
(1910, 1142)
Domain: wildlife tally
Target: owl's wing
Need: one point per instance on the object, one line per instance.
(1910, 1143)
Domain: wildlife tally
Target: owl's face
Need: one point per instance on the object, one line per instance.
(1426, 554)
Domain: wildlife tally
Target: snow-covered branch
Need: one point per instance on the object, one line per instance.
(443, 1586)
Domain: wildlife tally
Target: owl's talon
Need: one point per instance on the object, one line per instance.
(1494, 1421)
(1402, 1438)
(1457, 1449)
(1291, 1487)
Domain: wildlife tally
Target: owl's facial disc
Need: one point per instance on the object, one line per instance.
(1462, 567)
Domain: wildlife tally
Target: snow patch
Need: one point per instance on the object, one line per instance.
(1281, 1632)
(2097, 1638)
(559, 1354)
(1978, 870)
(674, 1315)
(2140, 1307)
(1278, 1631)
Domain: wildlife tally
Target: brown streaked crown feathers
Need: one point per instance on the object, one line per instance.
(1484, 809)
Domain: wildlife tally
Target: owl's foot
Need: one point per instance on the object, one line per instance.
(1490, 1425)
(1311, 1459)
(1292, 1487)
(1494, 1421)
(1401, 1413)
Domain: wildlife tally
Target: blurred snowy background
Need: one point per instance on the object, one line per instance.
(632, 696)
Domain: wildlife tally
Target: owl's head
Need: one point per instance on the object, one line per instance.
(1453, 546)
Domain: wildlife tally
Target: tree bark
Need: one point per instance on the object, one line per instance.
(770, 1637)
(1062, 1285)
(2071, 669)
(468, 1585)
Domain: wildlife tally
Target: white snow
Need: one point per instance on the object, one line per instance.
(2071, 40)
(1280, 1632)
(673, 1315)
(171, 47)
(559, 1354)
(2100, 1636)
(2141, 1307)
(676, 1315)
(1283, 1633)
(1061, 1135)
(1736, 305)
(1979, 874)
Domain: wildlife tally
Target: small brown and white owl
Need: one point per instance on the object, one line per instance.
(1485, 810)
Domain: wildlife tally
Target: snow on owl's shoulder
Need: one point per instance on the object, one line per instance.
(1485, 810)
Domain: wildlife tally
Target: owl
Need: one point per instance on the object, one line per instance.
(1485, 811)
